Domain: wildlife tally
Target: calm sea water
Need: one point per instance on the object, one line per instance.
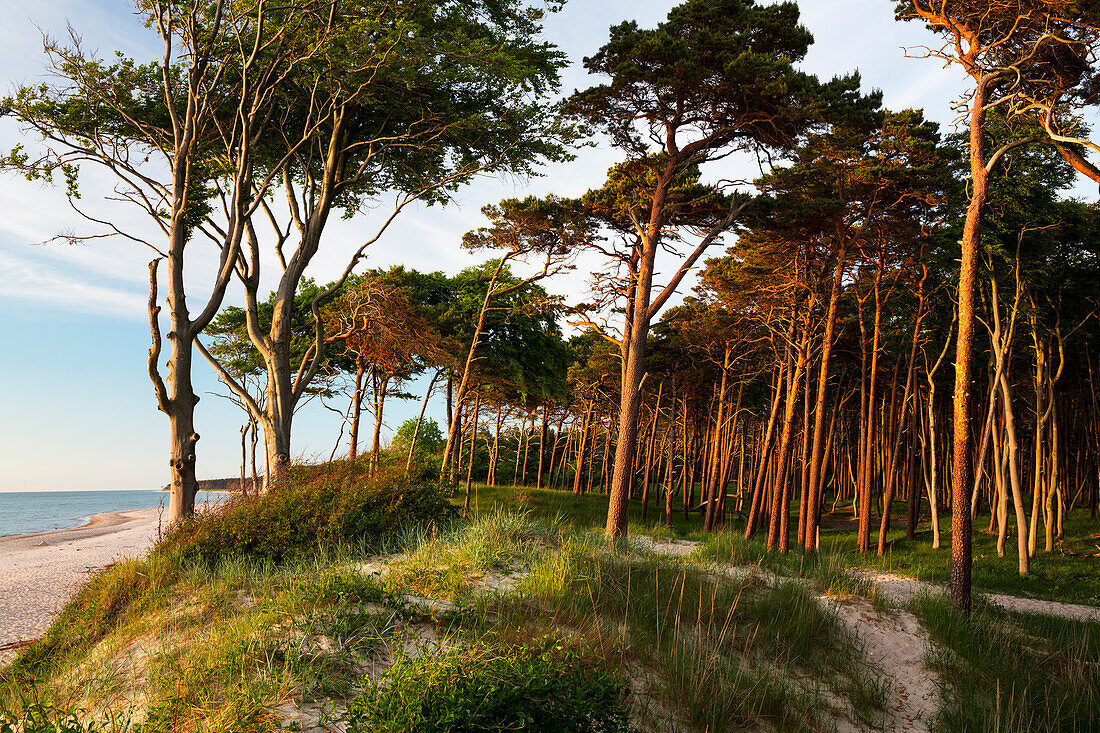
(40, 511)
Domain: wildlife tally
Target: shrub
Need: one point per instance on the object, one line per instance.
(429, 439)
(332, 504)
(539, 686)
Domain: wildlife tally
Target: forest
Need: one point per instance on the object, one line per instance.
(885, 344)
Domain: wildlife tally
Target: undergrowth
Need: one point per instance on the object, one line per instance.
(716, 653)
(337, 504)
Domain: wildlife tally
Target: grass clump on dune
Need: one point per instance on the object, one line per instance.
(444, 564)
(231, 614)
(713, 652)
(544, 685)
(316, 506)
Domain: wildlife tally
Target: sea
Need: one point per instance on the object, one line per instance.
(22, 512)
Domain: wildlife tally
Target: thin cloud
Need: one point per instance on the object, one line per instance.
(32, 281)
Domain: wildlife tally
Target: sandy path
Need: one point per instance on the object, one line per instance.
(40, 572)
(899, 589)
(896, 645)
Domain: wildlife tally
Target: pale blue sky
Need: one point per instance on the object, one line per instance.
(76, 406)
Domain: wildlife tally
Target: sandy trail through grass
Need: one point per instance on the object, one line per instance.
(899, 589)
(895, 643)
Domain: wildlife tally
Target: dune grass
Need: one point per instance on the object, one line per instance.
(195, 648)
(1007, 672)
(190, 644)
(1069, 574)
(706, 652)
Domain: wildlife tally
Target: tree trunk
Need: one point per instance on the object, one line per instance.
(356, 411)
(473, 447)
(891, 476)
(715, 452)
(420, 419)
(381, 387)
(755, 507)
(542, 446)
(961, 468)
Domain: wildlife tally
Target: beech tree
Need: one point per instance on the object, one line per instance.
(171, 131)
(717, 77)
(407, 102)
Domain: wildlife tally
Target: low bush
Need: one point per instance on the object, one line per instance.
(543, 685)
(333, 504)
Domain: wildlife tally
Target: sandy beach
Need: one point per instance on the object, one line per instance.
(39, 572)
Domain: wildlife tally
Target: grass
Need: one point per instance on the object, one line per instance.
(1068, 574)
(191, 644)
(547, 684)
(714, 653)
(443, 564)
(197, 648)
(1006, 672)
(1053, 576)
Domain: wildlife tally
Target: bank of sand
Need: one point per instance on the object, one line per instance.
(39, 572)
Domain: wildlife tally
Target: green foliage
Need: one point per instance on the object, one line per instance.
(231, 345)
(722, 650)
(39, 717)
(429, 439)
(521, 353)
(336, 504)
(541, 686)
(710, 66)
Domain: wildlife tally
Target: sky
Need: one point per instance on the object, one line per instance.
(77, 410)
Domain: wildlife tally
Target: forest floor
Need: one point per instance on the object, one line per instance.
(709, 631)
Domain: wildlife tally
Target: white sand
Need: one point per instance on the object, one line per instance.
(40, 572)
(899, 589)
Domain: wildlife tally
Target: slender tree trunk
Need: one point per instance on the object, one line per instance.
(382, 383)
(356, 411)
(765, 449)
(714, 476)
(961, 467)
(473, 447)
(891, 476)
(420, 419)
(581, 447)
(542, 446)
(780, 517)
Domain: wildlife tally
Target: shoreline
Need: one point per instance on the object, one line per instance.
(41, 571)
(114, 516)
(95, 525)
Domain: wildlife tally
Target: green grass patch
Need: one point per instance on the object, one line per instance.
(1006, 672)
(545, 685)
(720, 653)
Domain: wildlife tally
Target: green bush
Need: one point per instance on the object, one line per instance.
(429, 439)
(541, 686)
(332, 504)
